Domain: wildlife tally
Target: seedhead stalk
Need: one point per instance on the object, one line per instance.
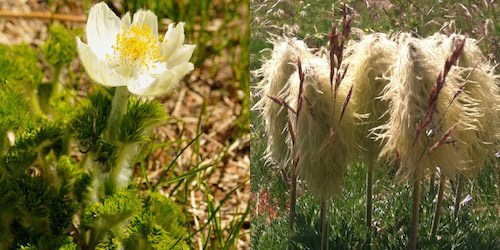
(439, 203)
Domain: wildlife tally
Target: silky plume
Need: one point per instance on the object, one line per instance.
(274, 86)
(369, 60)
(482, 87)
(411, 80)
(325, 141)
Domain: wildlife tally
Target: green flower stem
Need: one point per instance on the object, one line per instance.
(3, 140)
(118, 108)
(35, 105)
(56, 85)
(119, 177)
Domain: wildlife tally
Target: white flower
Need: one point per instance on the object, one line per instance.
(130, 53)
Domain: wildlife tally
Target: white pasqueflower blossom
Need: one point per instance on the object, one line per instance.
(125, 52)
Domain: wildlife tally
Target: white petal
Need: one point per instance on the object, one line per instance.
(157, 68)
(96, 68)
(173, 39)
(181, 55)
(142, 84)
(148, 18)
(88, 59)
(126, 21)
(111, 77)
(165, 83)
(102, 28)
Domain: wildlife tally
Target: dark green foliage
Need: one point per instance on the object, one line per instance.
(42, 139)
(38, 214)
(17, 161)
(30, 146)
(81, 187)
(272, 235)
(90, 122)
(51, 197)
(139, 119)
(60, 47)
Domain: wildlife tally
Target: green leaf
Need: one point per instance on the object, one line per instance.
(68, 244)
(60, 48)
(112, 211)
(14, 109)
(140, 117)
(158, 226)
(18, 66)
(90, 122)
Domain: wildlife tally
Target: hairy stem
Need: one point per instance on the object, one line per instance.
(3, 140)
(439, 203)
(432, 179)
(120, 175)
(324, 235)
(35, 105)
(293, 199)
(56, 85)
(118, 108)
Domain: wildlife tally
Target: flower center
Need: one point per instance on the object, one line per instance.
(138, 46)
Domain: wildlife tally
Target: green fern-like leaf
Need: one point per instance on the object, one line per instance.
(68, 244)
(140, 117)
(18, 66)
(17, 161)
(41, 140)
(60, 47)
(112, 211)
(90, 122)
(14, 109)
(82, 187)
(39, 137)
(109, 244)
(158, 226)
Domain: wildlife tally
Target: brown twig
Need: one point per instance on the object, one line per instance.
(282, 102)
(446, 138)
(436, 89)
(44, 15)
(346, 102)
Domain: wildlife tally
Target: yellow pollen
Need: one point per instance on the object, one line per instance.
(138, 45)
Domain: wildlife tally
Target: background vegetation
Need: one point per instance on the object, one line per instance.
(311, 20)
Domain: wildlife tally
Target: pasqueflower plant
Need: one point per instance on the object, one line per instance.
(66, 163)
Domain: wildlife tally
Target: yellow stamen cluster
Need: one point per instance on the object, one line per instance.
(138, 45)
